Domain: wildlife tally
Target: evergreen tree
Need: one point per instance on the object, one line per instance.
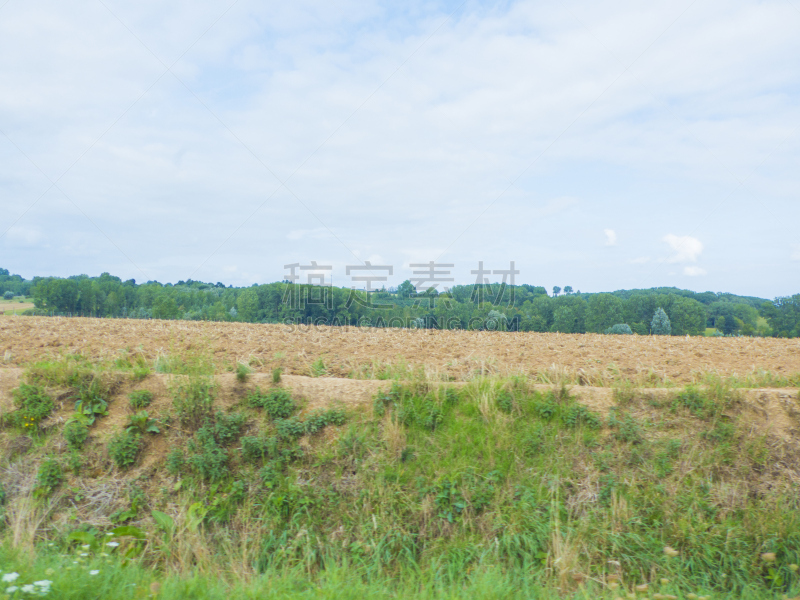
(660, 324)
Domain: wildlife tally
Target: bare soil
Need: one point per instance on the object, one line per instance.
(449, 355)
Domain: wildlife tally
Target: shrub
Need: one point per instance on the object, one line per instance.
(33, 405)
(227, 427)
(8, 295)
(140, 399)
(320, 419)
(660, 324)
(49, 477)
(276, 375)
(620, 329)
(124, 448)
(76, 432)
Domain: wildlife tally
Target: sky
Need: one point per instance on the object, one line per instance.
(601, 145)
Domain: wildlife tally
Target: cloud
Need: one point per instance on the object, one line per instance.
(693, 271)
(640, 260)
(686, 248)
(611, 237)
(795, 252)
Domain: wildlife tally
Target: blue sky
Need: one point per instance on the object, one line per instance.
(602, 145)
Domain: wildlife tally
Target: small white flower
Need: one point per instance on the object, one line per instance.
(95, 572)
(84, 554)
(11, 589)
(27, 589)
(9, 577)
(109, 533)
(43, 583)
(86, 546)
(112, 544)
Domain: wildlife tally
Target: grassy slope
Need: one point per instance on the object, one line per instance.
(493, 490)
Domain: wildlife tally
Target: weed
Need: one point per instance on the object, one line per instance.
(140, 373)
(90, 402)
(49, 477)
(76, 432)
(627, 429)
(176, 461)
(139, 399)
(124, 448)
(193, 401)
(277, 403)
(208, 459)
(242, 372)
(142, 423)
(33, 404)
(318, 368)
(276, 375)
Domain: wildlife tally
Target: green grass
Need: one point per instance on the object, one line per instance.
(489, 490)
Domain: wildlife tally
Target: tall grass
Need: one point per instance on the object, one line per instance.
(493, 489)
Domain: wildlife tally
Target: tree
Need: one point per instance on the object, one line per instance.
(8, 295)
(405, 289)
(603, 311)
(248, 305)
(660, 324)
(567, 289)
(556, 290)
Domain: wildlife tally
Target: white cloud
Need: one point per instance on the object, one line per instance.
(611, 237)
(640, 260)
(693, 271)
(686, 248)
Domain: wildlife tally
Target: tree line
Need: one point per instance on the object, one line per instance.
(489, 306)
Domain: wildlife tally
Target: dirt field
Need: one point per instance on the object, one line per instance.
(453, 355)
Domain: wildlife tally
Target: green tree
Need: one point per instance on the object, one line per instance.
(556, 290)
(603, 311)
(567, 289)
(660, 324)
(247, 305)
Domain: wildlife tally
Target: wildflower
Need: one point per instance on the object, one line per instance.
(28, 589)
(10, 577)
(109, 533)
(43, 583)
(768, 557)
(94, 572)
(112, 544)
(11, 589)
(85, 546)
(84, 554)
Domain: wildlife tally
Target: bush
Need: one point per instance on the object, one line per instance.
(76, 432)
(8, 295)
(140, 399)
(276, 375)
(124, 448)
(620, 329)
(33, 405)
(660, 324)
(176, 461)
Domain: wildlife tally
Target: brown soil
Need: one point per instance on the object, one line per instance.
(454, 355)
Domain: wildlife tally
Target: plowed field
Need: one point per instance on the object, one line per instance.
(454, 355)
